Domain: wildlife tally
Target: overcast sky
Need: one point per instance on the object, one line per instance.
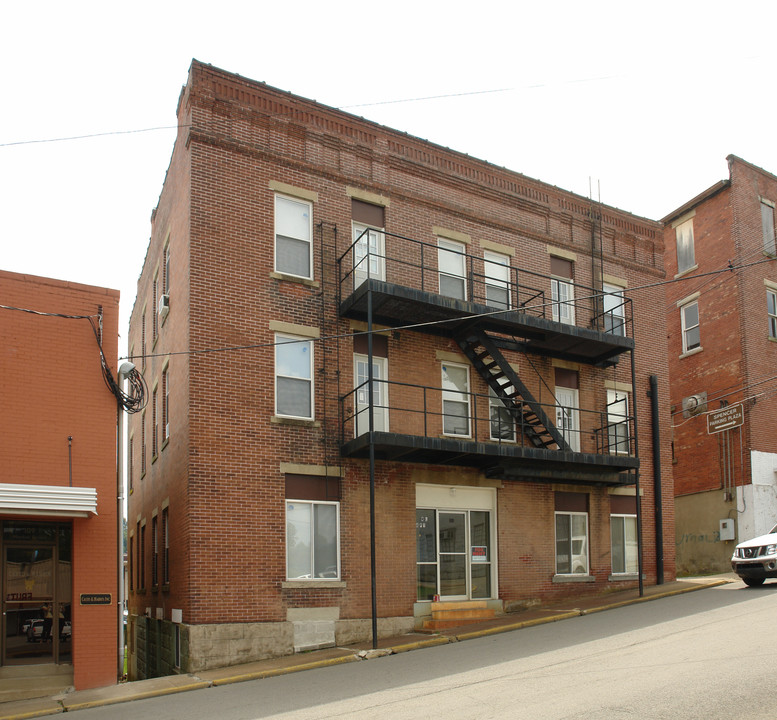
(641, 101)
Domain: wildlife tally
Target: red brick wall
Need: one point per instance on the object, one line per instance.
(221, 470)
(53, 388)
(737, 354)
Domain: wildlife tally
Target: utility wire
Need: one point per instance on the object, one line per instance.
(92, 135)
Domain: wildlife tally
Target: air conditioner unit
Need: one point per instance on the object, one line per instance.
(164, 306)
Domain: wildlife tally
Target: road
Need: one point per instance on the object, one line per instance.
(707, 654)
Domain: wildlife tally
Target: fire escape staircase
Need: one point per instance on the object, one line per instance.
(507, 386)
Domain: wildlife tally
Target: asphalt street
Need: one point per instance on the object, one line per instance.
(706, 654)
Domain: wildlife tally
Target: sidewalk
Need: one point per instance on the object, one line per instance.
(79, 700)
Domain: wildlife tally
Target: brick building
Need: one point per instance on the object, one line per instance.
(58, 511)
(298, 253)
(722, 358)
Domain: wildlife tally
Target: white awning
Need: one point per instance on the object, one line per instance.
(47, 500)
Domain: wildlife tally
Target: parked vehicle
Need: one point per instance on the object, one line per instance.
(35, 631)
(755, 560)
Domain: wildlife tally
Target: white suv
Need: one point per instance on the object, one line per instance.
(756, 559)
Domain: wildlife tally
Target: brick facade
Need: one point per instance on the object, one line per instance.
(221, 477)
(714, 475)
(59, 434)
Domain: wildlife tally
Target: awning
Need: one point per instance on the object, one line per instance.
(47, 500)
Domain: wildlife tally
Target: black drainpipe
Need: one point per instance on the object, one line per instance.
(657, 490)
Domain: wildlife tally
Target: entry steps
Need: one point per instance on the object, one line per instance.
(454, 614)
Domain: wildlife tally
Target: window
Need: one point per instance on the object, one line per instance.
(497, 278)
(165, 547)
(141, 556)
(312, 532)
(143, 339)
(131, 463)
(131, 568)
(502, 421)
(451, 260)
(686, 259)
(767, 224)
(455, 400)
(154, 552)
(154, 433)
(771, 308)
(143, 444)
(689, 317)
(623, 544)
(369, 250)
(571, 543)
(379, 394)
(293, 377)
(618, 422)
(614, 307)
(562, 290)
(293, 233)
(154, 307)
(166, 269)
(165, 404)
(567, 407)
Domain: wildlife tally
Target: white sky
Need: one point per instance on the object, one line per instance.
(644, 99)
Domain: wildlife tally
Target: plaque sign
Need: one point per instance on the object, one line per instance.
(95, 598)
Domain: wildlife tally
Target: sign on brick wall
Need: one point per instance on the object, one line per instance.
(725, 418)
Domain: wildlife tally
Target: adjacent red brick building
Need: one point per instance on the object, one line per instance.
(297, 253)
(722, 324)
(58, 512)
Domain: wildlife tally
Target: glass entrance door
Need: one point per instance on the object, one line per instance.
(29, 604)
(36, 593)
(453, 554)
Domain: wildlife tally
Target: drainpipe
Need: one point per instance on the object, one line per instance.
(125, 369)
(657, 489)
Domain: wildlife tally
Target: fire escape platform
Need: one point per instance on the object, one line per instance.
(394, 305)
(509, 461)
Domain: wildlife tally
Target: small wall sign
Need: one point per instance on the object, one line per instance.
(95, 598)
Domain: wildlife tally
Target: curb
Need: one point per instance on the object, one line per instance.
(260, 674)
(44, 707)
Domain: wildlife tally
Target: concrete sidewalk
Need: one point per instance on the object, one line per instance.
(126, 692)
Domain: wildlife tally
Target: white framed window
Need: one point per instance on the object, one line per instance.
(293, 376)
(689, 319)
(562, 293)
(686, 257)
(497, 279)
(571, 543)
(623, 544)
(771, 309)
(166, 403)
(312, 540)
(568, 415)
(369, 253)
(767, 224)
(379, 394)
(455, 400)
(451, 263)
(502, 421)
(618, 422)
(293, 237)
(614, 310)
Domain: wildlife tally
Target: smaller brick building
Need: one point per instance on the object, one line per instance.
(58, 508)
(722, 325)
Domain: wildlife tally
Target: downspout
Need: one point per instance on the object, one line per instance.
(640, 563)
(370, 400)
(657, 489)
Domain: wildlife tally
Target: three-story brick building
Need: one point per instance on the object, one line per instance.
(722, 322)
(362, 345)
